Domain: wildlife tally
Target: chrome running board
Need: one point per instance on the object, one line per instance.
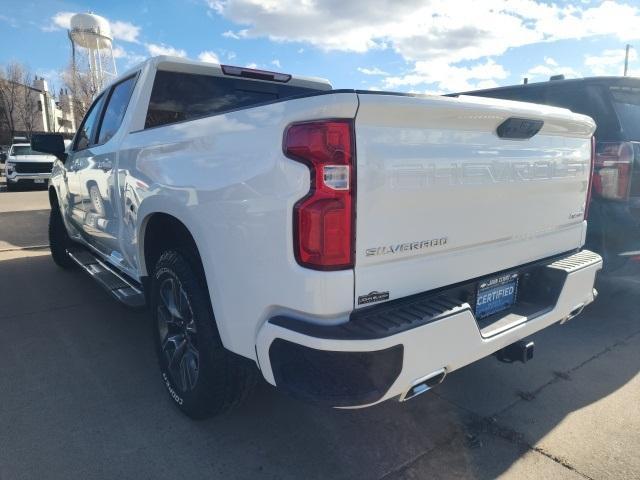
(124, 290)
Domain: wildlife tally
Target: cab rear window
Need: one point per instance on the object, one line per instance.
(177, 96)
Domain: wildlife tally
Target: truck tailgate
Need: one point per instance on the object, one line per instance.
(441, 198)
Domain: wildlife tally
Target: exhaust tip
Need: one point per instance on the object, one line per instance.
(424, 384)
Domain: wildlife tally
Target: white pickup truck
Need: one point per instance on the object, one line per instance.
(349, 246)
(23, 165)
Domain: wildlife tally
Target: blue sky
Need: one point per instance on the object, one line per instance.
(426, 46)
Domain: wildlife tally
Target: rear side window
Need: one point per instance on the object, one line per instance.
(115, 110)
(626, 102)
(176, 96)
(85, 136)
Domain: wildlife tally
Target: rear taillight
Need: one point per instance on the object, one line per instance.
(323, 219)
(612, 170)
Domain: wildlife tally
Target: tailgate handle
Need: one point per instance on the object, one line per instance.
(519, 128)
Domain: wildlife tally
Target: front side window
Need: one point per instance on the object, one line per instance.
(115, 110)
(85, 136)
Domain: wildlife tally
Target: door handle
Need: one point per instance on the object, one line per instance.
(105, 164)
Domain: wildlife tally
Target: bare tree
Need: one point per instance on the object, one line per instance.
(10, 79)
(20, 103)
(81, 87)
(29, 105)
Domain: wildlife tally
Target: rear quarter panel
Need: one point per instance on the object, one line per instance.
(226, 178)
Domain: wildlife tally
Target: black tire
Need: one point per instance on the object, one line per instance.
(202, 377)
(59, 240)
(10, 187)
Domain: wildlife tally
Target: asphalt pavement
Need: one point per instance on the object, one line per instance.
(82, 397)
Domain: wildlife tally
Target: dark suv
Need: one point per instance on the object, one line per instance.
(614, 104)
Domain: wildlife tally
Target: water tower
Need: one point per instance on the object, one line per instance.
(91, 49)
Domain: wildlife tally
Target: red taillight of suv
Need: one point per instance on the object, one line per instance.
(612, 170)
(323, 221)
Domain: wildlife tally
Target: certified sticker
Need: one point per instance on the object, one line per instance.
(373, 297)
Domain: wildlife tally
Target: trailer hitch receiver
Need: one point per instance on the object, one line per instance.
(521, 351)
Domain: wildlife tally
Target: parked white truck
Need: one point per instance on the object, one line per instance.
(350, 246)
(23, 165)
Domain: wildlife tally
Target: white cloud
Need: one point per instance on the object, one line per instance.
(155, 49)
(431, 32)
(127, 57)
(209, 57)
(422, 29)
(548, 68)
(276, 63)
(132, 59)
(450, 78)
(230, 34)
(372, 71)
(125, 31)
(12, 22)
(60, 20)
(609, 62)
(119, 52)
(251, 65)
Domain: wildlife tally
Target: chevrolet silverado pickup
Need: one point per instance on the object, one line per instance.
(23, 165)
(349, 246)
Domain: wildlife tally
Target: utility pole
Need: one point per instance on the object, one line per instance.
(626, 60)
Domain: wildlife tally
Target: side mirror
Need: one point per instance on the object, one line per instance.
(51, 143)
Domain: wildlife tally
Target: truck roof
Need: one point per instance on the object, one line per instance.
(607, 80)
(166, 62)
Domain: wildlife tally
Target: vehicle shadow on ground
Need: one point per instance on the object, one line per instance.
(23, 229)
(82, 397)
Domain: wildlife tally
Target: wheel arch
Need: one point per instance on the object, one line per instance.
(53, 197)
(159, 231)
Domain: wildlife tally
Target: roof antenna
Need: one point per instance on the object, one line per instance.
(526, 80)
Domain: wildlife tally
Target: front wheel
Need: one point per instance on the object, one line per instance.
(201, 376)
(59, 240)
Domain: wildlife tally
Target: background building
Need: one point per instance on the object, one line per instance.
(28, 107)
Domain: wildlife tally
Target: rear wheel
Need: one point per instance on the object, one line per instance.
(59, 240)
(201, 376)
